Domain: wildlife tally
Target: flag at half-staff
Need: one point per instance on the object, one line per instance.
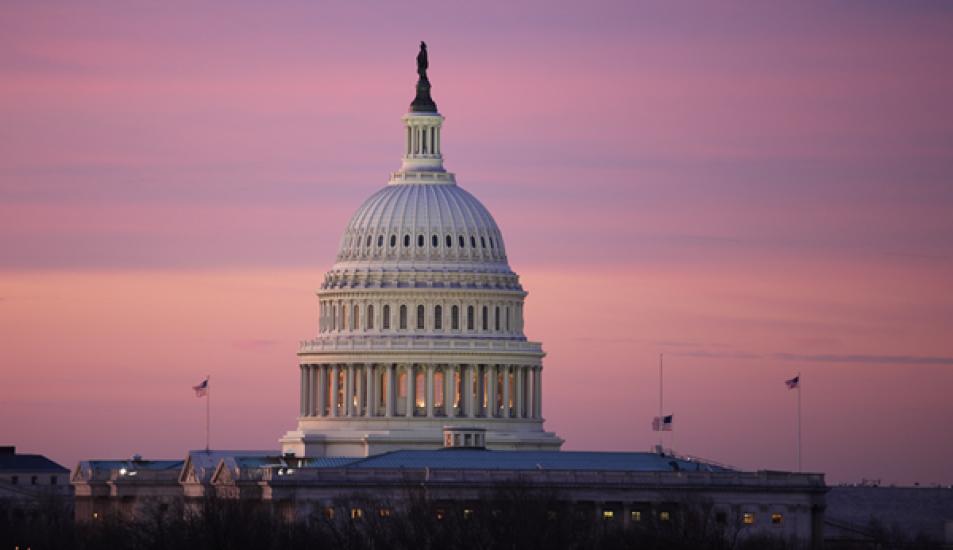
(662, 423)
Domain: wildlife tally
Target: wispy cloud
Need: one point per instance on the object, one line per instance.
(859, 358)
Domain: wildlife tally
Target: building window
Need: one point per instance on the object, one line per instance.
(497, 317)
(328, 512)
(507, 318)
(434, 241)
(368, 241)
(380, 241)
(777, 518)
(665, 516)
(420, 241)
(449, 241)
(491, 242)
(385, 512)
(406, 241)
(370, 316)
(483, 242)
(356, 318)
(357, 513)
(467, 513)
(343, 316)
(393, 241)
(334, 317)
(636, 515)
(747, 518)
(486, 318)
(437, 318)
(469, 317)
(472, 241)
(420, 317)
(440, 513)
(608, 514)
(455, 318)
(463, 243)
(403, 317)
(385, 317)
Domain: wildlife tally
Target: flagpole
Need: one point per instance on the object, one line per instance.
(208, 407)
(661, 419)
(799, 422)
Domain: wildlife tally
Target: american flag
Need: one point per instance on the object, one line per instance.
(662, 424)
(202, 389)
(793, 383)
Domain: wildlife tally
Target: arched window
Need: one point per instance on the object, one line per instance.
(420, 317)
(406, 241)
(403, 317)
(370, 316)
(380, 241)
(393, 241)
(497, 318)
(507, 318)
(420, 241)
(463, 242)
(356, 318)
(491, 242)
(385, 317)
(455, 318)
(368, 241)
(469, 317)
(343, 317)
(434, 241)
(438, 318)
(483, 242)
(449, 241)
(486, 318)
(334, 317)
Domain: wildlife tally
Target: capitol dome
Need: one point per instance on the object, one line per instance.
(420, 321)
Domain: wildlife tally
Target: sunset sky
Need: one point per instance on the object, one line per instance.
(755, 190)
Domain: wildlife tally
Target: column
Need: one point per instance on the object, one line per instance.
(360, 397)
(518, 370)
(430, 390)
(302, 409)
(530, 392)
(506, 391)
(321, 388)
(480, 389)
(310, 396)
(448, 391)
(538, 386)
(468, 392)
(373, 389)
(349, 390)
(491, 391)
(409, 372)
(389, 396)
(335, 372)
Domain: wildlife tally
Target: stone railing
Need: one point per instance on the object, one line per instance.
(369, 343)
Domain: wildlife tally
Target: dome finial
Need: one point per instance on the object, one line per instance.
(423, 103)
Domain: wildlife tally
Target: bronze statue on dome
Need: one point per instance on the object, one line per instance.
(422, 63)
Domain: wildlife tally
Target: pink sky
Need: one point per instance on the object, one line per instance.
(754, 190)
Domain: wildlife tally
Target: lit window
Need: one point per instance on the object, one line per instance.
(385, 512)
(467, 513)
(439, 513)
(636, 515)
(329, 512)
(608, 514)
(747, 518)
(665, 516)
(95, 515)
(357, 513)
(420, 317)
(777, 518)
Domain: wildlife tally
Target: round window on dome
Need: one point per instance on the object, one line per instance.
(393, 241)
(406, 241)
(420, 240)
(449, 241)
(435, 241)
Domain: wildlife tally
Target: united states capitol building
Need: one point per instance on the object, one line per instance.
(420, 374)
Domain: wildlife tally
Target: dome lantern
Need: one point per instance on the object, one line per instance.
(422, 162)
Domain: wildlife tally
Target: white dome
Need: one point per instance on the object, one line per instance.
(422, 225)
